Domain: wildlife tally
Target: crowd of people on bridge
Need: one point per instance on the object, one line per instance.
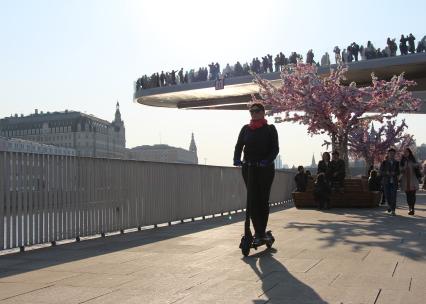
(354, 51)
(405, 174)
(269, 64)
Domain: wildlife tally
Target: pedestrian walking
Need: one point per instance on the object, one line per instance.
(410, 174)
(389, 170)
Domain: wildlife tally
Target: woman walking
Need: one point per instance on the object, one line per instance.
(409, 181)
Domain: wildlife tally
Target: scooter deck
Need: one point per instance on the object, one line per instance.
(247, 243)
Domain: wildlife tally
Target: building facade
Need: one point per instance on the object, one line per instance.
(278, 162)
(165, 153)
(421, 152)
(86, 134)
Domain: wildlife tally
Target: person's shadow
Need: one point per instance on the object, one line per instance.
(278, 284)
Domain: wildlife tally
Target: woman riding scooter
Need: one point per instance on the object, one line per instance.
(260, 144)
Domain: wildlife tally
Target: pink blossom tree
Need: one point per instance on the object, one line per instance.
(329, 106)
(372, 145)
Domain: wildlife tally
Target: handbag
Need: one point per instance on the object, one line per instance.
(418, 173)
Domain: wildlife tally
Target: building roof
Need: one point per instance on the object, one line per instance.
(50, 116)
(157, 147)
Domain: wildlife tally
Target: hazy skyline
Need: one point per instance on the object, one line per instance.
(85, 55)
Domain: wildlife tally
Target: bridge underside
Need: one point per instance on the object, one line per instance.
(238, 90)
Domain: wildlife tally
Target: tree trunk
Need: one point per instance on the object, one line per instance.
(340, 143)
(368, 162)
(342, 147)
(333, 142)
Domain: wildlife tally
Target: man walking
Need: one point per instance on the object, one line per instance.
(389, 170)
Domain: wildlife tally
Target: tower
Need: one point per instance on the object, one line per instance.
(118, 132)
(193, 147)
(313, 163)
(117, 113)
(373, 134)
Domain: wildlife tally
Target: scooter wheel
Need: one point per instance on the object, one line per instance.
(245, 246)
(245, 250)
(271, 242)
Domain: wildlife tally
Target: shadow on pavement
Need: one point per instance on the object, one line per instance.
(16, 263)
(402, 234)
(278, 284)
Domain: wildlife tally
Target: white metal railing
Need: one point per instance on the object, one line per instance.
(46, 198)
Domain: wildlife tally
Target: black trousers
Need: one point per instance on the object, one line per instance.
(322, 200)
(258, 182)
(338, 181)
(411, 198)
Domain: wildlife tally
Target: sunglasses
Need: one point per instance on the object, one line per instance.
(255, 110)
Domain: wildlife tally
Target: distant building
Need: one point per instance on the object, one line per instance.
(87, 134)
(421, 152)
(165, 153)
(193, 148)
(26, 146)
(313, 162)
(278, 162)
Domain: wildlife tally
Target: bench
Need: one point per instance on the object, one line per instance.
(356, 195)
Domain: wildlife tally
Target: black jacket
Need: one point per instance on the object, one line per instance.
(374, 184)
(324, 168)
(338, 166)
(301, 180)
(259, 144)
(322, 190)
(389, 171)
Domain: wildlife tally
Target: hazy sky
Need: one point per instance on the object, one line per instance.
(85, 55)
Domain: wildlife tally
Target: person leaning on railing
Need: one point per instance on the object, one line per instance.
(260, 144)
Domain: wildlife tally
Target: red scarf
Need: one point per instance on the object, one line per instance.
(258, 123)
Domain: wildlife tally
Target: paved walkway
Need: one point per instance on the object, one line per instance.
(339, 256)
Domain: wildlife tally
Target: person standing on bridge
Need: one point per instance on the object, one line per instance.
(260, 144)
(337, 174)
(410, 173)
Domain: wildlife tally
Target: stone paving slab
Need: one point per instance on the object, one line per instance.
(338, 256)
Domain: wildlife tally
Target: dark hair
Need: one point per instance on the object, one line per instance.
(299, 168)
(410, 156)
(327, 154)
(320, 178)
(373, 173)
(258, 105)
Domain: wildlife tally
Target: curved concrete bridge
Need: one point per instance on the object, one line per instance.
(237, 90)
